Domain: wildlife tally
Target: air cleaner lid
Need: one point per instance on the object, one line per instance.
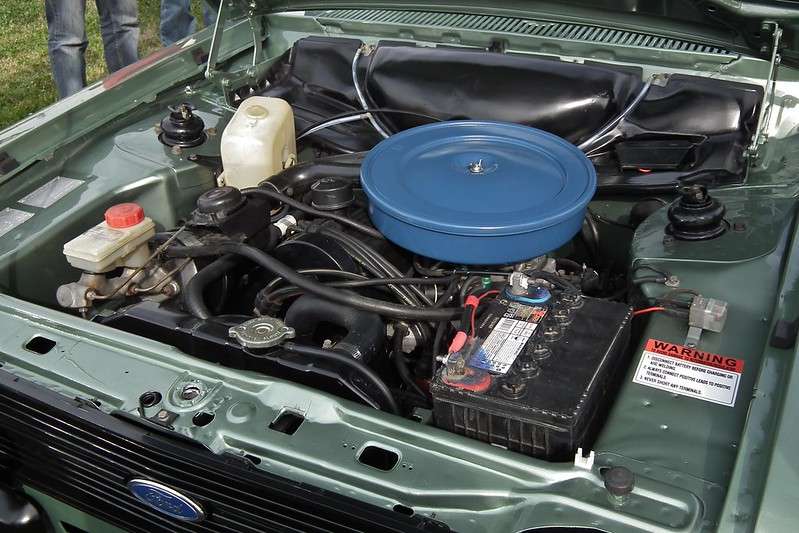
(478, 178)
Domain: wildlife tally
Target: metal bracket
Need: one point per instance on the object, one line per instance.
(693, 337)
(216, 41)
(229, 81)
(764, 117)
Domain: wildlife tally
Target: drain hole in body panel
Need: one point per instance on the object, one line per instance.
(202, 419)
(379, 458)
(403, 509)
(40, 345)
(287, 422)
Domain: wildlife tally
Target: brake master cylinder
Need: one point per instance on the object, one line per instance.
(119, 241)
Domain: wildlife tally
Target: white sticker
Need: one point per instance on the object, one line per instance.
(689, 372)
(11, 218)
(505, 342)
(503, 345)
(50, 192)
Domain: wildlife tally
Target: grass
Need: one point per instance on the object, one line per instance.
(26, 83)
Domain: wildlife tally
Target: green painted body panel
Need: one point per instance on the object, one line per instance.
(698, 466)
(60, 514)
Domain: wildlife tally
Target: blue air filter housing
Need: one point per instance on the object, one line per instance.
(477, 192)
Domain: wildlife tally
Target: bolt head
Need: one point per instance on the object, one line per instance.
(190, 392)
(619, 481)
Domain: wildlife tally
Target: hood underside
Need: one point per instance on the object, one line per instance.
(743, 26)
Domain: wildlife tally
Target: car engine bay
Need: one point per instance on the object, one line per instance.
(542, 255)
(452, 265)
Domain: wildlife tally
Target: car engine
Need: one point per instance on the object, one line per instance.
(420, 244)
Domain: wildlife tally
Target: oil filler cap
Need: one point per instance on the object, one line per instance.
(125, 215)
(477, 192)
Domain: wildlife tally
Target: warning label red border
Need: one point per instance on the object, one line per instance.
(696, 356)
(689, 372)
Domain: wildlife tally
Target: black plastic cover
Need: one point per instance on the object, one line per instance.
(568, 99)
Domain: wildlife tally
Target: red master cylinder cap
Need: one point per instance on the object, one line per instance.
(124, 215)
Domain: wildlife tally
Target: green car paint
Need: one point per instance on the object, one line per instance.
(699, 466)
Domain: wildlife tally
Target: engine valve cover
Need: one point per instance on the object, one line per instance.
(477, 192)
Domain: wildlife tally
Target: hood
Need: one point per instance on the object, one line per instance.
(740, 25)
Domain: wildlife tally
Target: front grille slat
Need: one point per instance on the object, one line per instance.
(69, 454)
(85, 458)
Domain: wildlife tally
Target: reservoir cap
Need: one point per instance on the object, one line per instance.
(124, 215)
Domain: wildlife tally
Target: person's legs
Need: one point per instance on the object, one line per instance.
(66, 43)
(177, 21)
(209, 15)
(119, 26)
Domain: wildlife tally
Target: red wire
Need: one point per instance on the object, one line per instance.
(648, 310)
(474, 309)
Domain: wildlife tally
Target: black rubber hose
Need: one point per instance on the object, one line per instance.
(392, 281)
(554, 279)
(564, 263)
(389, 402)
(318, 272)
(366, 332)
(265, 295)
(649, 279)
(441, 327)
(284, 292)
(193, 294)
(452, 288)
(373, 266)
(299, 206)
(300, 177)
(399, 363)
(411, 294)
(266, 261)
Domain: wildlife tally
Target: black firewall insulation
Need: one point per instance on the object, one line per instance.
(689, 126)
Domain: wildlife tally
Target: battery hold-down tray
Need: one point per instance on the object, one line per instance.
(537, 378)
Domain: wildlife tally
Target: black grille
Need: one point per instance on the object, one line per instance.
(84, 457)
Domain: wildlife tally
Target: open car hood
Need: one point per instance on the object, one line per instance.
(739, 25)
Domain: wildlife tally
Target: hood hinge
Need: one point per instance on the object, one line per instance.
(230, 81)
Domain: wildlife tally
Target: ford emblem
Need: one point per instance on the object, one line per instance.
(166, 500)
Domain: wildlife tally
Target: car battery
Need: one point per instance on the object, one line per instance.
(539, 374)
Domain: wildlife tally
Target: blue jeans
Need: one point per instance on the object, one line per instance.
(177, 21)
(67, 41)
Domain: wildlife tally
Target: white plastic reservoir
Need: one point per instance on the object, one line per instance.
(258, 142)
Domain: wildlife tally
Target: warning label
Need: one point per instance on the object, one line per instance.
(689, 372)
(505, 342)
